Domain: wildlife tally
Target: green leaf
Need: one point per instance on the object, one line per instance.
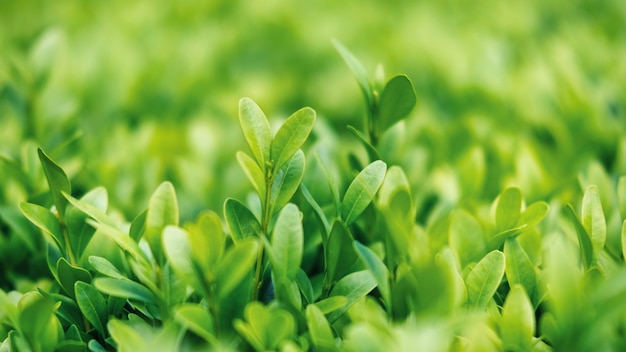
(340, 254)
(533, 214)
(92, 305)
(79, 232)
(37, 321)
(256, 130)
(621, 196)
(57, 181)
(69, 274)
(508, 208)
(253, 172)
(92, 210)
(519, 269)
(286, 182)
(372, 153)
(483, 280)
(105, 267)
(517, 326)
(353, 287)
(124, 289)
(291, 136)
(319, 213)
(319, 329)
(466, 237)
(178, 253)
(584, 241)
(207, 240)
(162, 211)
(624, 239)
(287, 243)
(138, 226)
(593, 217)
(362, 191)
(305, 286)
(128, 339)
(237, 263)
(331, 304)
(240, 220)
(358, 70)
(377, 268)
(396, 101)
(46, 221)
(124, 241)
(196, 319)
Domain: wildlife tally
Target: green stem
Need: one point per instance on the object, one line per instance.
(258, 282)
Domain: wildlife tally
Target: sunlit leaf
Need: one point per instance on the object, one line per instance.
(162, 211)
(593, 219)
(483, 280)
(256, 129)
(508, 208)
(518, 321)
(362, 191)
(291, 135)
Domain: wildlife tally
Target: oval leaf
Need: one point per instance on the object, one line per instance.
(92, 305)
(124, 289)
(508, 208)
(196, 319)
(396, 101)
(517, 326)
(286, 182)
(519, 269)
(162, 211)
(237, 263)
(257, 131)
(319, 329)
(484, 279)
(362, 191)
(253, 172)
(593, 217)
(287, 242)
(291, 135)
(240, 220)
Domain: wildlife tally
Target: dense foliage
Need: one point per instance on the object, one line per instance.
(475, 202)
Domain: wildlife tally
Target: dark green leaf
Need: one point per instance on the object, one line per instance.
(57, 181)
(319, 213)
(291, 136)
(396, 101)
(69, 274)
(484, 279)
(340, 254)
(92, 305)
(162, 211)
(362, 191)
(257, 131)
(240, 220)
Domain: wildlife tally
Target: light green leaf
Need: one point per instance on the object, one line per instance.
(237, 263)
(377, 268)
(519, 269)
(92, 305)
(79, 232)
(372, 153)
(287, 242)
(358, 70)
(319, 329)
(123, 240)
(138, 226)
(621, 196)
(331, 304)
(69, 274)
(46, 221)
(57, 181)
(286, 182)
(196, 319)
(124, 289)
(291, 136)
(362, 191)
(207, 240)
(253, 172)
(593, 217)
(240, 220)
(162, 211)
(92, 210)
(178, 253)
(508, 208)
(353, 287)
(584, 241)
(396, 101)
(128, 339)
(624, 239)
(466, 237)
(37, 321)
(517, 326)
(483, 280)
(257, 131)
(533, 214)
(105, 267)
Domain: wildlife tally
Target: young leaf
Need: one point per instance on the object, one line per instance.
(105, 267)
(533, 214)
(585, 244)
(353, 287)
(287, 242)
(593, 217)
(207, 240)
(483, 280)
(128, 339)
(508, 208)
(178, 253)
(197, 320)
(240, 220)
(124, 289)
(372, 153)
(92, 305)
(79, 232)
(319, 329)
(358, 70)
(396, 101)
(519, 269)
(362, 191)
(237, 263)
(291, 135)
(138, 226)
(518, 321)
(46, 221)
(37, 321)
(253, 172)
(257, 131)
(621, 196)
(466, 237)
(57, 181)
(162, 211)
(377, 268)
(69, 274)
(123, 240)
(286, 182)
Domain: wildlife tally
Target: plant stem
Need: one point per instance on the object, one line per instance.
(258, 282)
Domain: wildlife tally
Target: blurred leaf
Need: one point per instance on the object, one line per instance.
(621, 196)
(197, 320)
(377, 268)
(466, 237)
(178, 253)
(207, 240)
(257, 131)
(533, 214)
(584, 241)
(519, 269)
(291, 136)
(287, 243)
(92, 305)
(57, 181)
(353, 287)
(396, 101)
(331, 304)
(484, 279)
(162, 211)
(253, 172)
(518, 321)
(362, 191)
(319, 329)
(372, 153)
(46, 221)
(37, 321)
(123, 240)
(286, 182)
(236, 264)
(240, 220)
(358, 70)
(340, 254)
(508, 209)
(138, 226)
(593, 217)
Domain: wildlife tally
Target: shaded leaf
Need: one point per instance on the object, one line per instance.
(79, 232)
(377, 268)
(466, 237)
(340, 254)
(319, 213)
(162, 211)
(105, 267)
(196, 319)
(519, 269)
(240, 220)
(92, 305)
(483, 280)
(396, 101)
(44, 220)
(207, 240)
(237, 263)
(508, 208)
(57, 181)
(362, 191)
(253, 172)
(353, 287)
(584, 241)
(372, 153)
(178, 253)
(331, 304)
(69, 274)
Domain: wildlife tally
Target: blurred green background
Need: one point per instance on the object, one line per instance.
(127, 94)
